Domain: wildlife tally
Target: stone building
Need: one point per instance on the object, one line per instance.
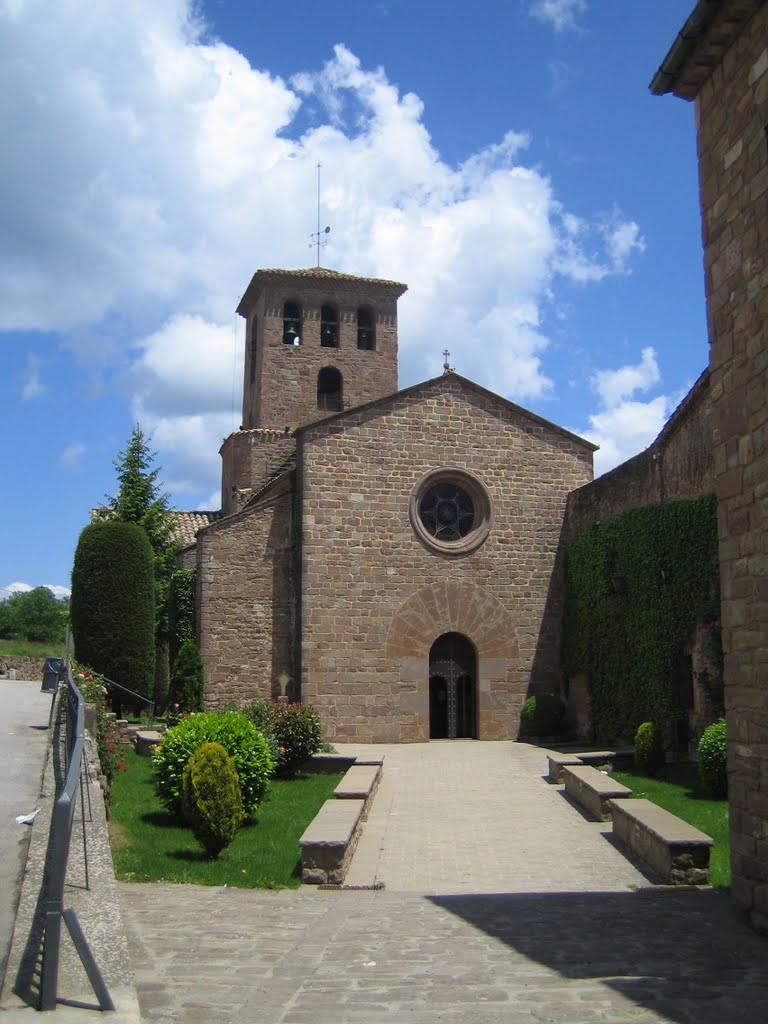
(391, 557)
(720, 60)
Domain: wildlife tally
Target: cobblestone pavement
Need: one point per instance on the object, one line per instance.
(572, 934)
(209, 956)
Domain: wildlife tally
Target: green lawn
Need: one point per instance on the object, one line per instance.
(31, 649)
(150, 845)
(679, 791)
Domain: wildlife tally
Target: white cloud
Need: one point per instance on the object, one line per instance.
(622, 240)
(189, 364)
(152, 172)
(625, 430)
(560, 14)
(18, 587)
(624, 426)
(72, 454)
(33, 387)
(614, 386)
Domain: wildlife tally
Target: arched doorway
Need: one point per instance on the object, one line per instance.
(452, 688)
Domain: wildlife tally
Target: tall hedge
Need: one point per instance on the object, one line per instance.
(637, 586)
(182, 609)
(112, 609)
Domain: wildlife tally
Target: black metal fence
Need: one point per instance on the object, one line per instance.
(68, 750)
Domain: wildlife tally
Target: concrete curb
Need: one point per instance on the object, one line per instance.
(97, 908)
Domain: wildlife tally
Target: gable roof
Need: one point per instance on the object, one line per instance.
(310, 275)
(436, 383)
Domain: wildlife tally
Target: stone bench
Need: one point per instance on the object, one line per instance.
(360, 783)
(330, 840)
(146, 740)
(607, 759)
(612, 760)
(675, 850)
(593, 790)
(556, 763)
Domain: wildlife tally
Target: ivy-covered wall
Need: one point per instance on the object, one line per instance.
(640, 588)
(182, 609)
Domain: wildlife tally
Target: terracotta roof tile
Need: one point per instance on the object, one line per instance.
(188, 523)
(327, 274)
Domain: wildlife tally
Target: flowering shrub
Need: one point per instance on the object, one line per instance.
(108, 744)
(242, 741)
(174, 714)
(294, 729)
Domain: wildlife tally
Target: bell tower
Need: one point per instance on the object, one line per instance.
(317, 342)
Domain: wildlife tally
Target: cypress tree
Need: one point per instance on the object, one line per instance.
(112, 609)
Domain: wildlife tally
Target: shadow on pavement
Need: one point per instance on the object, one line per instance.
(678, 953)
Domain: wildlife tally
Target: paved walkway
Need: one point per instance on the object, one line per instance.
(24, 712)
(461, 816)
(566, 938)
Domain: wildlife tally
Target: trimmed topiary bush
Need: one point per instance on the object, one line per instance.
(113, 604)
(242, 741)
(542, 715)
(712, 755)
(187, 679)
(211, 799)
(294, 729)
(649, 750)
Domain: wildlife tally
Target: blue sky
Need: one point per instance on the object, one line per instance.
(506, 161)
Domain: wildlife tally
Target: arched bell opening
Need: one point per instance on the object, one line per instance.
(330, 390)
(452, 688)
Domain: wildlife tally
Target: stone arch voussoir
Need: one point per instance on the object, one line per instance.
(452, 606)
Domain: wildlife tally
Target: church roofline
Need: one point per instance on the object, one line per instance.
(707, 34)
(313, 275)
(434, 382)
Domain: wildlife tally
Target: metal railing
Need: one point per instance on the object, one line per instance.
(72, 720)
(138, 696)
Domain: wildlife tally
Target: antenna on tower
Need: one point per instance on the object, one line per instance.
(318, 241)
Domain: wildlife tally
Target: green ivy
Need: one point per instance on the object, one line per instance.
(182, 613)
(637, 586)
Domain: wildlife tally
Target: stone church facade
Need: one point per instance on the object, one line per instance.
(393, 558)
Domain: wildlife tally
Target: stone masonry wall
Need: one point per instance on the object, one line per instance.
(249, 458)
(246, 602)
(374, 598)
(282, 388)
(732, 114)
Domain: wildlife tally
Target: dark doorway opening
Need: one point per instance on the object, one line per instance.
(452, 688)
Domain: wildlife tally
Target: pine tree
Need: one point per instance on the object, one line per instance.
(140, 500)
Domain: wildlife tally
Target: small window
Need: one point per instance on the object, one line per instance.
(252, 353)
(366, 337)
(330, 390)
(291, 323)
(329, 327)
